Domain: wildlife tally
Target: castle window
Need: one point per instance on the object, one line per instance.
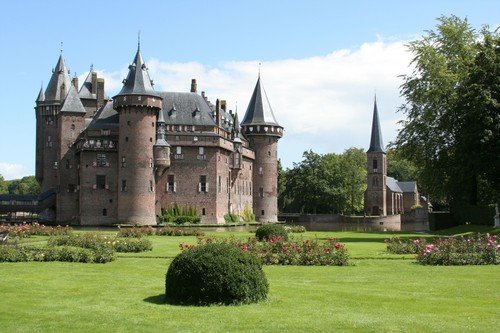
(124, 185)
(203, 211)
(261, 192)
(72, 127)
(153, 124)
(124, 163)
(150, 162)
(220, 184)
(100, 181)
(261, 171)
(269, 153)
(128, 122)
(101, 160)
(126, 139)
(227, 185)
(262, 212)
(203, 185)
(71, 188)
(104, 212)
(150, 139)
(68, 165)
(171, 185)
(177, 128)
(201, 153)
(151, 187)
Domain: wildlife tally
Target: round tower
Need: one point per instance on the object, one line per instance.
(138, 106)
(263, 132)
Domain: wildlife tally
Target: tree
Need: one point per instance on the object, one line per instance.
(25, 185)
(438, 132)
(4, 189)
(401, 168)
(354, 176)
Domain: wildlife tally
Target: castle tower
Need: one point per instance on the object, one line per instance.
(47, 108)
(375, 195)
(161, 148)
(70, 122)
(138, 106)
(263, 132)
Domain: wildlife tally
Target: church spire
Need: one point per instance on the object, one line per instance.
(376, 144)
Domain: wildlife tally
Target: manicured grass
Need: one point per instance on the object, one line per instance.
(380, 293)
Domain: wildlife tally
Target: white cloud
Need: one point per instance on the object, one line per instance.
(13, 170)
(325, 102)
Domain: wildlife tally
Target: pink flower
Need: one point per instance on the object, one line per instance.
(244, 247)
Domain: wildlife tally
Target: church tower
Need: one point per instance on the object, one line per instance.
(375, 195)
(263, 132)
(138, 106)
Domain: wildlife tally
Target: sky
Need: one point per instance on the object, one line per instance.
(321, 62)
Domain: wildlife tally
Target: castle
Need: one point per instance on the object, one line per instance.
(122, 160)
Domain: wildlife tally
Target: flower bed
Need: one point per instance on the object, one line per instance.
(397, 245)
(277, 251)
(24, 230)
(56, 253)
(95, 241)
(472, 250)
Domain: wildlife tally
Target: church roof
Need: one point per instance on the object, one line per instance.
(392, 184)
(408, 187)
(259, 111)
(186, 109)
(376, 145)
(138, 81)
(72, 102)
(59, 77)
(86, 89)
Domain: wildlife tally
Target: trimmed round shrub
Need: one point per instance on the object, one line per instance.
(268, 231)
(215, 274)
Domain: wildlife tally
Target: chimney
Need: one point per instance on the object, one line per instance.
(223, 105)
(217, 113)
(203, 95)
(194, 86)
(100, 92)
(94, 83)
(75, 82)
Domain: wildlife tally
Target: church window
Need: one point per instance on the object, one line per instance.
(124, 185)
(100, 181)
(375, 165)
(203, 185)
(375, 181)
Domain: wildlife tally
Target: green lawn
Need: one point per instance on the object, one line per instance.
(381, 292)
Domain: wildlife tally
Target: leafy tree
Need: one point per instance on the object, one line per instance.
(354, 176)
(401, 168)
(4, 189)
(25, 185)
(443, 130)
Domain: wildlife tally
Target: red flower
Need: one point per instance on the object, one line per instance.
(244, 247)
(338, 246)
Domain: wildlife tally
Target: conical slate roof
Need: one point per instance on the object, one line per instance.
(259, 111)
(137, 81)
(41, 95)
(86, 89)
(376, 145)
(59, 77)
(72, 102)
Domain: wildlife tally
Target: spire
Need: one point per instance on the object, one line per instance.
(138, 81)
(236, 127)
(59, 77)
(376, 145)
(161, 137)
(41, 94)
(86, 88)
(259, 111)
(72, 102)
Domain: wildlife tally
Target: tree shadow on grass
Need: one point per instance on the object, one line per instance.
(158, 299)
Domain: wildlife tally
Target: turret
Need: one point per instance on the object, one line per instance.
(138, 105)
(161, 148)
(375, 195)
(47, 110)
(263, 132)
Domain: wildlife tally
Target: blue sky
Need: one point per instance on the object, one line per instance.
(322, 61)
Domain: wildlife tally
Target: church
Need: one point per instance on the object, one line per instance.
(104, 161)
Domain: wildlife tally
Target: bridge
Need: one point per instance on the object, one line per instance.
(12, 204)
